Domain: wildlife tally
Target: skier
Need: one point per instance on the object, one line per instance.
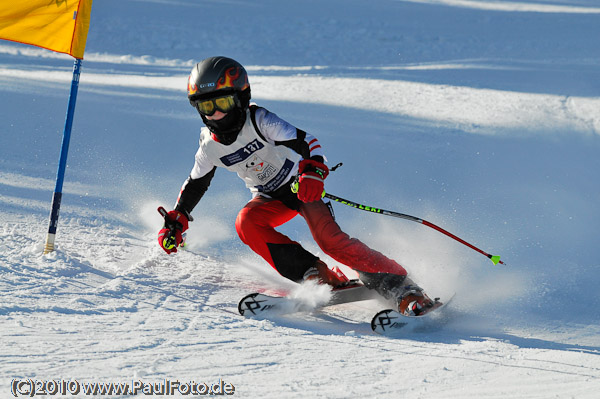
(270, 154)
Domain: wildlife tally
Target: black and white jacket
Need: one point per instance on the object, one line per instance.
(265, 156)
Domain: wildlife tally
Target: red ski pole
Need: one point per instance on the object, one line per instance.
(494, 258)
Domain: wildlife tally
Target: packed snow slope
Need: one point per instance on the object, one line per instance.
(482, 117)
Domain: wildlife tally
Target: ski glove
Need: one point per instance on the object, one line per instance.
(311, 180)
(171, 235)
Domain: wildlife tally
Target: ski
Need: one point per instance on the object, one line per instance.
(385, 322)
(257, 304)
(389, 321)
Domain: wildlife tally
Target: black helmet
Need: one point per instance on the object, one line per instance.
(220, 77)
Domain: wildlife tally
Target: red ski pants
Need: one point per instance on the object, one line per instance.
(256, 224)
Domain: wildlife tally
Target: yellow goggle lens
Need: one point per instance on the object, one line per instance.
(210, 106)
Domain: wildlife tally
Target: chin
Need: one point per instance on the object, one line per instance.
(226, 129)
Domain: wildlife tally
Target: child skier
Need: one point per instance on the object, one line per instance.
(269, 154)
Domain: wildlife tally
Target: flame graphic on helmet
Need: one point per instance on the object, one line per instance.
(231, 75)
(192, 88)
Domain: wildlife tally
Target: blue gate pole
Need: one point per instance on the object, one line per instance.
(62, 163)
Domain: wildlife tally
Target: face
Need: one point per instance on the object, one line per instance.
(218, 115)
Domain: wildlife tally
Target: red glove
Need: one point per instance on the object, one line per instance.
(170, 236)
(311, 180)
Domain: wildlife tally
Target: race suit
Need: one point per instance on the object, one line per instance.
(265, 155)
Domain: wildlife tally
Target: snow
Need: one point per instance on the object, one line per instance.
(482, 117)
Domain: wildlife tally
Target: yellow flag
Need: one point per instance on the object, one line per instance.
(57, 25)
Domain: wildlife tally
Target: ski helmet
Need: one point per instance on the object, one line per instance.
(225, 82)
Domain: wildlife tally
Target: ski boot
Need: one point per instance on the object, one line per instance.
(409, 297)
(322, 274)
(414, 302)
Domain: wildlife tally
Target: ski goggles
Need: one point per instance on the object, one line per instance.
(209, 106)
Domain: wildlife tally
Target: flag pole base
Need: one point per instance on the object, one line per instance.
(49, 247)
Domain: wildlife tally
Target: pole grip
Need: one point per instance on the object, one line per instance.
(169, 241)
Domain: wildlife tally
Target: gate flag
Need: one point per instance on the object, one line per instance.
(57, 25)
(61, 26)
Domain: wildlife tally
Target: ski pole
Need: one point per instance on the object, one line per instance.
(494, 258)
(169, 241)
